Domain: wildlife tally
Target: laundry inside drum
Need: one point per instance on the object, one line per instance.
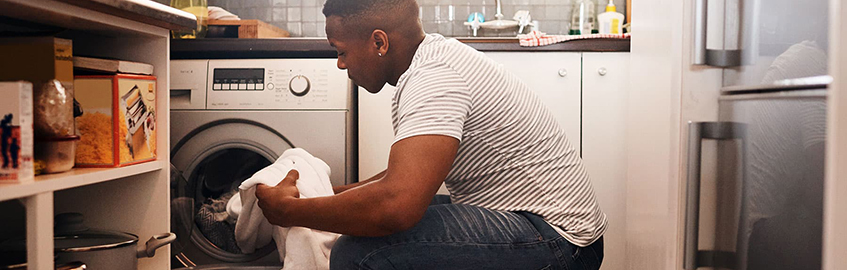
(217, 180)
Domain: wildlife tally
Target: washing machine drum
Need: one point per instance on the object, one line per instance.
(207, 167)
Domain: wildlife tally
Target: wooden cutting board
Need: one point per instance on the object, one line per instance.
(251, 28)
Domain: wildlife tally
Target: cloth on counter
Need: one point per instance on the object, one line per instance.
(218, 13)
(537, 38)
(301, 248)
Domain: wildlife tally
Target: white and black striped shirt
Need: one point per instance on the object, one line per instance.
(513, 155)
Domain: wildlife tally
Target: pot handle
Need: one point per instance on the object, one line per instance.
(155, 242)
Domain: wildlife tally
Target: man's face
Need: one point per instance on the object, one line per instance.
(357, 55)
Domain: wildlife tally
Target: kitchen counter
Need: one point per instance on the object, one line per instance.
(149, 12)
(229, 48)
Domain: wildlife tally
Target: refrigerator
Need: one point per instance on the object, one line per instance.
(754, 185)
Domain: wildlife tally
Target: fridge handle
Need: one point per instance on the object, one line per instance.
(697, 131)
(700, 15)
(702, 55)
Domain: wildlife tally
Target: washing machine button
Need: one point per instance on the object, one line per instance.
(270, 86)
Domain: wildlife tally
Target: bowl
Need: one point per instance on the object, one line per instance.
(57, 153)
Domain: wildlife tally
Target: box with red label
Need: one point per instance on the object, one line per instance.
(118, 122)
(16, 132)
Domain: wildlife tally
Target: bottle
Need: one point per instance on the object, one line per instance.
(610, 21)
(583, 18)
(197, 7)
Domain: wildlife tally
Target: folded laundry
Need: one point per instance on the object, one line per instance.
(301, 248)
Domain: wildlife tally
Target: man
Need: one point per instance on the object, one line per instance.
(520, 196)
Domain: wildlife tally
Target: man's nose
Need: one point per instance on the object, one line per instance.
(341, 65)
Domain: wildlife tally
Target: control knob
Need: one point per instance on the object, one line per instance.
(299, 85)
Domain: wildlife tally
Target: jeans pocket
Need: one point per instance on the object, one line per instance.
(548, 267)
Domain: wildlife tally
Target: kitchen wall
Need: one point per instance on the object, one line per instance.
(303, 18)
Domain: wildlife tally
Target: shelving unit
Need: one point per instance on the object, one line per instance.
(74, 178)
(132, 199)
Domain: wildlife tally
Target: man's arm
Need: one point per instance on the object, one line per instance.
(343, 188)
(416, 168)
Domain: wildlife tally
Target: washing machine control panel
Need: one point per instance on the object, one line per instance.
(277, 84)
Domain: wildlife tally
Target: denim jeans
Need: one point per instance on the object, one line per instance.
(456, 236)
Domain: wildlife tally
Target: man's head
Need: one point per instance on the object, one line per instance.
(375, 39)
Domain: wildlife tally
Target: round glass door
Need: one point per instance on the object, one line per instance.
(209, 167)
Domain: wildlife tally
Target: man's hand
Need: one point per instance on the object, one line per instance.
(274, 200)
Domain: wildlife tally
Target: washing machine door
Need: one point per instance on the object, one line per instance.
(210, 163)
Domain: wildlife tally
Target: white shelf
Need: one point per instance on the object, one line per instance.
(76, 177)
(135, 198)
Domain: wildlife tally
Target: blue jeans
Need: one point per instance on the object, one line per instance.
(456, 236)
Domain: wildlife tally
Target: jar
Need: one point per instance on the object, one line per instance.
(53, 109)
(56, 153)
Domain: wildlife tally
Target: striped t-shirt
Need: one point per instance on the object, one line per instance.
(513, 155)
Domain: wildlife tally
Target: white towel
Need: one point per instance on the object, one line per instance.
(301, 248)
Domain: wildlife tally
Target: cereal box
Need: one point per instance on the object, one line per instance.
(37, 60)
(16, 132)
(118, 123)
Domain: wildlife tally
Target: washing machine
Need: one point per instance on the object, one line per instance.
(231, 118)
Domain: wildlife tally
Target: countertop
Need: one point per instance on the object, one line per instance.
(231, 48)
(144, 11)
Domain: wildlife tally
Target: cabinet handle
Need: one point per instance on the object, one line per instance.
(602, 71)
(563, 72)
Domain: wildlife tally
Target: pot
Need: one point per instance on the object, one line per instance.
(101, 249)
(67, 266)
(231, 267)
(98, 249)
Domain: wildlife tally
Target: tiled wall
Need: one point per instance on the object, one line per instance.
(303, 18)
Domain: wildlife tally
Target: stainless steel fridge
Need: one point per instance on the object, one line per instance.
(754, 185)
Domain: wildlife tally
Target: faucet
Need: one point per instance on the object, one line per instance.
(474, 21)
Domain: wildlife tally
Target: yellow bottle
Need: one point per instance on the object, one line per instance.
(610, 21)
(197, 7)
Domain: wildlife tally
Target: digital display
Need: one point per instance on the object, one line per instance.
(239, 75)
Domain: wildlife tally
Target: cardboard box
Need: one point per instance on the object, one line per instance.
(16, 132)
(37, 60)
(118, 123)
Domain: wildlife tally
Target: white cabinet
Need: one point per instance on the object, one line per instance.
(133, 199)
(605, 81)
(588, 93)
(375, 131)
(555, 78)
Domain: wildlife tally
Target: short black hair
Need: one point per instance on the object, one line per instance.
(368, 13)
(355, 8)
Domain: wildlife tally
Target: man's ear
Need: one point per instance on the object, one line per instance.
(380, 42)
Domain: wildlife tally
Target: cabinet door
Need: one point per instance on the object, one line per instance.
(375, 131)
(554, 77)
(604, 91)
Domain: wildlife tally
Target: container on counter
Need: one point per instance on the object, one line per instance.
(583, 18)
(611, 21)
(200, 9)
(118, 123)
(16, 132)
